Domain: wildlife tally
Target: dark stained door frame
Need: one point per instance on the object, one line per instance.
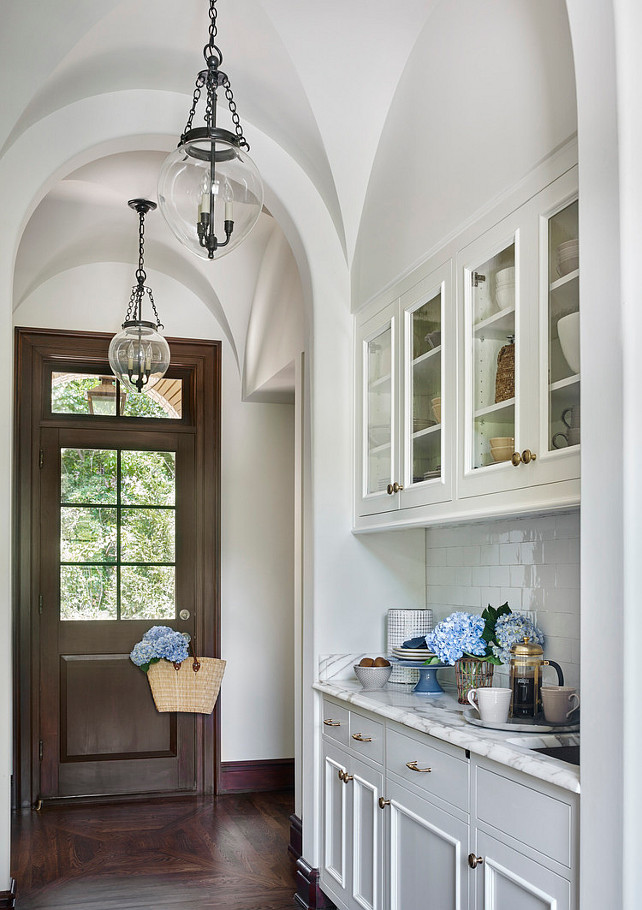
(198, 363)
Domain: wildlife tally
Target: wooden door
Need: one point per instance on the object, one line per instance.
(117, 557)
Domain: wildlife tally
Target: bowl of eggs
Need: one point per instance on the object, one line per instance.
(373, 673)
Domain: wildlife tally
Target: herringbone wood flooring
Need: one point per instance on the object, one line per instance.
(220, 853)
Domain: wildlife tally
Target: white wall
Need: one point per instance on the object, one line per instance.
(257, 508)
(486, 94)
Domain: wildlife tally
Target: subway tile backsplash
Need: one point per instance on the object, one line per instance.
(533, 563)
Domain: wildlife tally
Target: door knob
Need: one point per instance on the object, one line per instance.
(474, 861)
(184, 615)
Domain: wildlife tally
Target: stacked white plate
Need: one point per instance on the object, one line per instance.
(505, 288)
(505, 277)
(412, 653)
(568, 257)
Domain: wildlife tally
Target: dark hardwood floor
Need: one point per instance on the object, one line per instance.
(220, 853)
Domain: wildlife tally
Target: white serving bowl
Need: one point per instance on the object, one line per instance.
(505, 296)
(568, 329)
(567, 264)
(373, 677)
(505, 276)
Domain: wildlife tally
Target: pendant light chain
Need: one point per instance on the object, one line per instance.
(135, 308)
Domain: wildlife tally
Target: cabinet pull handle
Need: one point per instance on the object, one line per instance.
(413, 767)
(361, 739)
(474, 861)
(347, 777)
(332, 723)
(383, 802)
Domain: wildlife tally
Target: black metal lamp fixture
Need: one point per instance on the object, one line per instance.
(209, 189)
(139, 355)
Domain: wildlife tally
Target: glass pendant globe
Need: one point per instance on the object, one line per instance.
(139, 356)
(184, 188)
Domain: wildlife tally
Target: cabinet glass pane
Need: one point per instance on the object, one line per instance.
(379, 411)
(424, 385)
(493, 359)
(563, 329)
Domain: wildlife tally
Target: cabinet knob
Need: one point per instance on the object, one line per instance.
(396, 487)
(347, 777)
(331, 723)
(413, 767)
(474, 861)
(340, 773)
(528, 456)
(383, 802)
(516, 459)
(361, 739)
(390, 489)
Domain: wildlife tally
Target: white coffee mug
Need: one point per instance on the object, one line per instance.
(492, 703)
(559, 702)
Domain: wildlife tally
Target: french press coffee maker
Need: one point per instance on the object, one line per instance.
(526, 662)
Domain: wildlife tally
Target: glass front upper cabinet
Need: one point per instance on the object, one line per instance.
(379, 390)
(423, 390)
(563, 329)
(492, 356)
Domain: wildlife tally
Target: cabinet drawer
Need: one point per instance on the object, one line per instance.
(448, 775)
(537, 819)
(336, 723)
(366, 737)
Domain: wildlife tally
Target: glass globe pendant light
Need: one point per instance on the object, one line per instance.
(209, 189)
(139, 355)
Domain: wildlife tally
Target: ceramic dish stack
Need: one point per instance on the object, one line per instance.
(401, 626)
(412, 653)
(502, 447)
(567, 257)
(505, 288)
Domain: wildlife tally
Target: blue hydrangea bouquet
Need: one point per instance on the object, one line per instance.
(160, 643)
(475, 644)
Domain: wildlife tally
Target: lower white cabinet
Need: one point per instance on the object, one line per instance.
(426, 853)
(352, 831)
(416, 824)
(507, 880)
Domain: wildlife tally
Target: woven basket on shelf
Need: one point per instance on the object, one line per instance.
(472, 674)
(505, 378)
(186, 688)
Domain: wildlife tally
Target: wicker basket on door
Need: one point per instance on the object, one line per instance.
(191, 686)
(505, 378)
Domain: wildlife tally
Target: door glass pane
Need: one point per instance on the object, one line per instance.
(164, 401)
(564, 329)
(88, 475)
(493, 359)
(379, 411)
(88, 534)
(88, 592)
(111, 537)
(102, 395)
(147, 592)
(424, 383)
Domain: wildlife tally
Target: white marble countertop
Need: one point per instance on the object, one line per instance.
(442, 717)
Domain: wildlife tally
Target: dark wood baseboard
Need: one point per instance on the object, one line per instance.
(309, 895)
(8, 898)
(295, 846)
(255, 776)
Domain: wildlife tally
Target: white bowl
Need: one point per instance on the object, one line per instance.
(505, 276)
(569, 245)
(373, 677)
(505, 296)
(569, 264)
(568, 329)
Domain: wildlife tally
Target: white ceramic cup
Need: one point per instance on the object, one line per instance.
(559, 702)
(492, 703)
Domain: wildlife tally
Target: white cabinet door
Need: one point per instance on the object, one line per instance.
(507, 880)
(427, 854)
(352, 831)
(337, 824)
(377, 413)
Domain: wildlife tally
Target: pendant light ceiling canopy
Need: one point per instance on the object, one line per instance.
(139, 355)
(209, 189)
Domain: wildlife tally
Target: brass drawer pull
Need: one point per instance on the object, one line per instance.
(383, 802)
(332, 723)
(361, 739)
(413, 767)
(474, 861)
